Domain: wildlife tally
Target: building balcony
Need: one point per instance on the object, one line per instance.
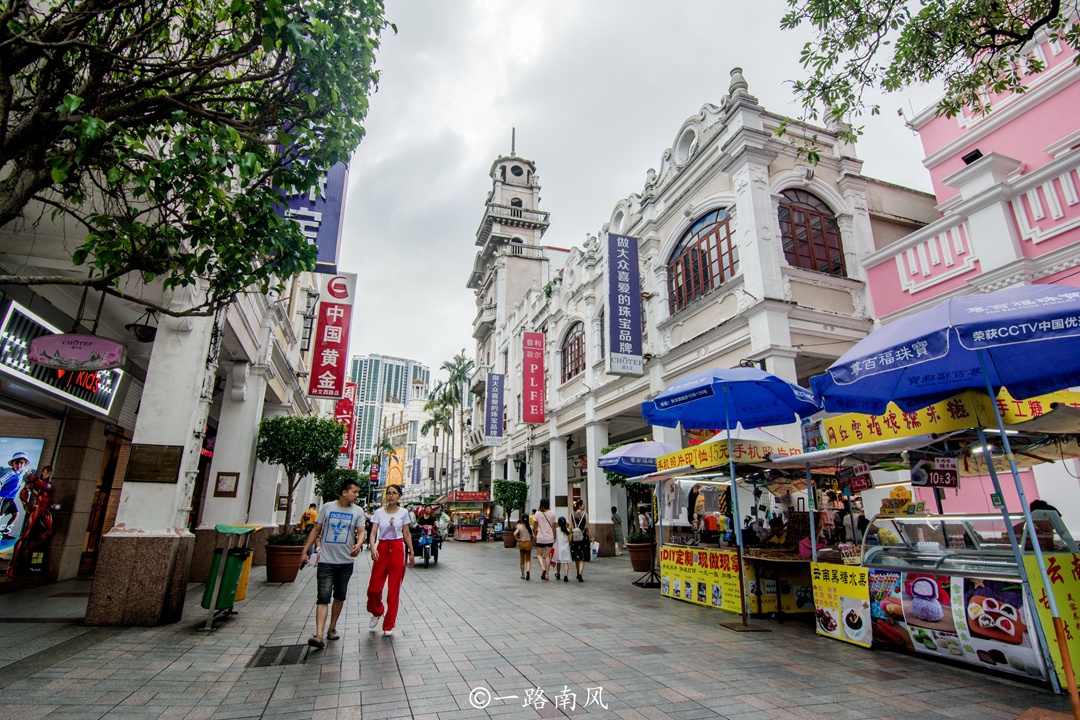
(513, 217)
(484, 321)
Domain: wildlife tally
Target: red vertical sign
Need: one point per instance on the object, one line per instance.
(532, 378)
(331, 355)
(343, 413)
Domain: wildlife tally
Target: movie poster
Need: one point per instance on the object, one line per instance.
(25, 505)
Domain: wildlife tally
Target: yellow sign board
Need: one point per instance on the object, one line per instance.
(1063, 570)
(962, 412)
(842, 599)
(714, 454)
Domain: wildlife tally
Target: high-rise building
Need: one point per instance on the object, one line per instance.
(382, 380)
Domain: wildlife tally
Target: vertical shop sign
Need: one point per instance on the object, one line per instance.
(532, 378)
(344, 411)
(493, 413)
(334, 312)
(415, 477)
(624, 307)
(319, 215)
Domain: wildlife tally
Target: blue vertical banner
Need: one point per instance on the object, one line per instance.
(493, 409)
(320, 214)
(415, 477)
(623, 307)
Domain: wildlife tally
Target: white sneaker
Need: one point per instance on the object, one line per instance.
(373, 624)
(388, 633)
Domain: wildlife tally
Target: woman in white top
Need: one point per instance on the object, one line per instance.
(389, 537)
(544, 535)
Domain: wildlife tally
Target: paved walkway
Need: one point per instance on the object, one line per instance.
(470, 623)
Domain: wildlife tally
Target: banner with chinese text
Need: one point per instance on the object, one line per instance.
(1063, 570)
(532, 377)
(320, 214)
(623, 307)
(963, 412)
(842, 602)
(344, 413)
(715, 453)
(493, 409)
(330, 358)
(701, 576)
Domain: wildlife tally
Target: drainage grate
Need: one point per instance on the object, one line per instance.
(271, 655)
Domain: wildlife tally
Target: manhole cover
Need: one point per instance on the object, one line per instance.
(271, 655)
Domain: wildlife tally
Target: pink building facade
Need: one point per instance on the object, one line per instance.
(1008, 189)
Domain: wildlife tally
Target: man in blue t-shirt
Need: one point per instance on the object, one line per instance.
(339, 531)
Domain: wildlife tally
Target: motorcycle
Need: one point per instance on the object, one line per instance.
(428, 543)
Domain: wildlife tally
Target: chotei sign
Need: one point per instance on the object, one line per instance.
(76, 352)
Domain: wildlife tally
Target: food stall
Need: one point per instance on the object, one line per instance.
(952, 586)
(698, 562)
(466, 509)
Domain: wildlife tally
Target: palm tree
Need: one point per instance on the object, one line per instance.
(384, 447)
(442, 418)
(459, 369)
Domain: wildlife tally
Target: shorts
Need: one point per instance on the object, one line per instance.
(8, 507)
(332, 577)
(580, 550)
(545, 545)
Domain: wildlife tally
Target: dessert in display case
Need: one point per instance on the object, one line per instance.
(949, 586)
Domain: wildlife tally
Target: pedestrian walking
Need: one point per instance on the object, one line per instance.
(339, 532)
(579, 538)
(307, 520)
(390, 539)
(544, 535)
(524, 536)
(617, 526)
(562, 551)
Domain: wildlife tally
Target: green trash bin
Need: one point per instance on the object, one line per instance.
(230, 581)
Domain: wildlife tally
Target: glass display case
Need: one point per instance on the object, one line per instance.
(958, 545)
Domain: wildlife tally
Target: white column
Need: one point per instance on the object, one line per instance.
(599, 495)
(175, 401)
(536, 476)
(558, 478)
(234, 451)
(263, 508)
(671, 436)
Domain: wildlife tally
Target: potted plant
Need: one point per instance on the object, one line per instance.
(640, 546)
(283, 553)
(512, 495)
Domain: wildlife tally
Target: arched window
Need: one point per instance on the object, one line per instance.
(515, 204)
(573, 351)
(703, 260)
(810, 234)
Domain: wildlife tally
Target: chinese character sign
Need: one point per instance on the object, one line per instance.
(532, 378)
(334, 312)
(319, 214)
(344, 414)
(415, 477)
(842, 602)
(624, 307)
(493, 409)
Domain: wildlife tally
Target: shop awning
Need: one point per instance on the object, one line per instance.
(863, 452)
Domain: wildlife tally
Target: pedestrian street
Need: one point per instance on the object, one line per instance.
(472, 640)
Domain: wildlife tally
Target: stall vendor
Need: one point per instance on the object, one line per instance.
(777, 533)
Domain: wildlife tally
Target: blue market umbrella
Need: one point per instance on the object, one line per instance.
(1025, 339)
(725, 398)
(635, 459)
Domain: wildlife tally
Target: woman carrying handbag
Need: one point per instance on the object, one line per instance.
(524, 542)
(579, 538)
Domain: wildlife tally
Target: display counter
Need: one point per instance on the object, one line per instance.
(947, 586)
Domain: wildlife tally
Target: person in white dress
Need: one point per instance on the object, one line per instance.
(562, 550)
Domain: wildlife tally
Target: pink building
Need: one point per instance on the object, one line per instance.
(1008, 189)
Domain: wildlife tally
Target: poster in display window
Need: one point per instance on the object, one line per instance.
(26, 494)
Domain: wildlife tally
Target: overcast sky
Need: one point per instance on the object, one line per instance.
(597, 90)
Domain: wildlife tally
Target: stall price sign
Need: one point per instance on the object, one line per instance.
(935, 472)
(855, 478)
(842, 602)
(702, 577)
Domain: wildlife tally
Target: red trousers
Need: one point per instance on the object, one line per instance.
(390, 566)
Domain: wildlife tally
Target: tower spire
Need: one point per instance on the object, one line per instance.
(513, 141)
